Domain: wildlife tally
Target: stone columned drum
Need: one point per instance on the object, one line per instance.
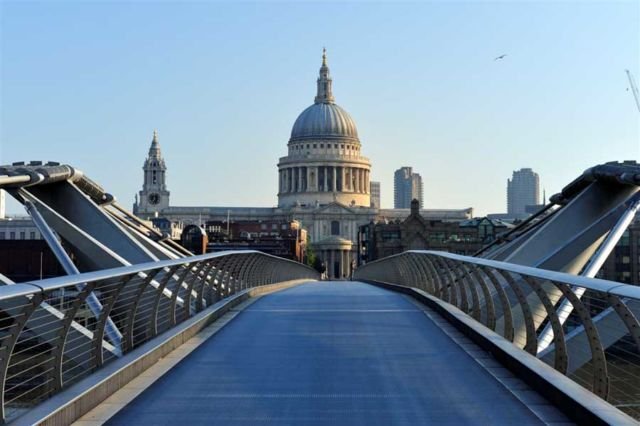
(324, 162)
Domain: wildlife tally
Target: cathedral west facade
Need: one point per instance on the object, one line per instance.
(323, 182)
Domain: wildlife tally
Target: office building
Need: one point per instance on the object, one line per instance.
(523, 189)
(407, 186)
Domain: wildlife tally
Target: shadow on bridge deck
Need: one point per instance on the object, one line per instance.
(337, 353)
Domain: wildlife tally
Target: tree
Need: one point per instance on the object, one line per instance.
(312, 259)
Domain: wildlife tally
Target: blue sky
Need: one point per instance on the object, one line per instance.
(86, 83)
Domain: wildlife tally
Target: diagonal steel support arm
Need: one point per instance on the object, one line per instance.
(595, 263)
(92, 301)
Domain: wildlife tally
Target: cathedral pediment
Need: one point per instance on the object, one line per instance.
(335, 208)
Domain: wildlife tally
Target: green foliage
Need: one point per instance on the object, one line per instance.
(311, 258)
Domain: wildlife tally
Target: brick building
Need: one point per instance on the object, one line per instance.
(378, 240)
(280, 238)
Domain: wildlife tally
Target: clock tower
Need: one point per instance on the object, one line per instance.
(154, 196)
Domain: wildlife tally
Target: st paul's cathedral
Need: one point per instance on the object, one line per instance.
(323, 181)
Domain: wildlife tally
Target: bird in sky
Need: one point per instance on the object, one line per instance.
(500, 57)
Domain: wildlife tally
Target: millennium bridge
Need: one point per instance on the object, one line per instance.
(140, 331)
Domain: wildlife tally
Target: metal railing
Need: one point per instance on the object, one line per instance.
(50, 338)
(598, 345)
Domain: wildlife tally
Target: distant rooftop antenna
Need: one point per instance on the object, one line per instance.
(634, 89)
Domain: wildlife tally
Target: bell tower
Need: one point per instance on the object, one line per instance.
(154, 196)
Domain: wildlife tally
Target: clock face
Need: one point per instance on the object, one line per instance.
(154, 198)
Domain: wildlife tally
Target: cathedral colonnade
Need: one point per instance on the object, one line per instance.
(324, 179)
(337, 254)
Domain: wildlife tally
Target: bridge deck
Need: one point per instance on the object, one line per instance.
(338, 353)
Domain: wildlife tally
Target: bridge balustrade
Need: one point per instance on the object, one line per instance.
(50, 338)
(598, 345)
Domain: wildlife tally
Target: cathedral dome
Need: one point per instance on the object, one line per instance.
(324, 164)
(324, 121)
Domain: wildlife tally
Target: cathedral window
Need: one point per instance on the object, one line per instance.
(154, 178)
(335, 227)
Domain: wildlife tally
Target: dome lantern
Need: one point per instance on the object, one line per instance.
(324, 119)
(325, 93)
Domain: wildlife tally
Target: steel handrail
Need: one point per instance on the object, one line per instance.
(597, 284)
(119, 271)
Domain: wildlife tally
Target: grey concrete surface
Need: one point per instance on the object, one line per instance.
(335, 353)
